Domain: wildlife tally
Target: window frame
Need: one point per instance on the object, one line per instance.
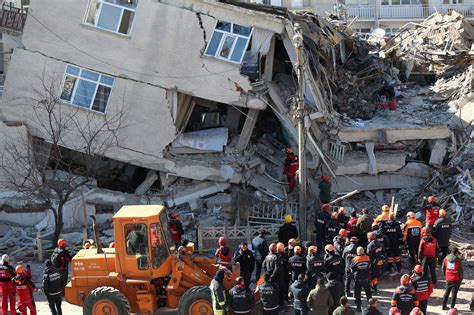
(97, 83)
(223, 39)
(99, 11)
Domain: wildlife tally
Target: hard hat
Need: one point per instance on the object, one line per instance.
(354, 239)
(312, 249)
(425, 231)
(371, 236)
(395, 311)
(289, 150)
(431, 199)
(221, 241)
(334, 215)
(61, 243)
(343, 232)
(292, 241)
(280, 247)
(453, 311)
(329, 248)
(19, 269)
(411, 215)
(342, 210)
(112, 245)
(288, 218)
(405, 279)
(297, 249)
(418, 269)
(385, 208)
(325, 178)
(174, 216)
(325, 206)
(442, 213)
(416, 311)
(87, 245)
(5, 258)
(272, 248)
(360, 250)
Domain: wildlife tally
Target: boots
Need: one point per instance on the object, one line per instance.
(358, 308)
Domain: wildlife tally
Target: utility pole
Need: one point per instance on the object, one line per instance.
(300, 113)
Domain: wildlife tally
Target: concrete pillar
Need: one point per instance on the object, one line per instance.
(247, 130)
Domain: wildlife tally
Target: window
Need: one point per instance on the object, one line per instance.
(452, 1)
(136, 243)
(159, 251)
(112, 15)
(86, 88)
(229, 41)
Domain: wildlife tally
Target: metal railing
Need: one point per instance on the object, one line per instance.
(363, 12)
(405, 11)
(12, 18)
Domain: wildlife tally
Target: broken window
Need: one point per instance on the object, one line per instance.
(112, 15)
(86, 88)
(229, 41)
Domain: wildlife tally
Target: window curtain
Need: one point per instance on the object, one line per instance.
(261, 40)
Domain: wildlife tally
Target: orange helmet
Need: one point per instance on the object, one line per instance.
(61, 243)
(334, 215)
(329, 248)
(418, 269)
(432, 199)
(272, 248)
(19, 269)
(292, 242)
(371, 236)
(312, 249)
(442, 213)
(297, 249)
(405, 279)
(343, 232)
(289, 150)
(280, 247)
(385, 208)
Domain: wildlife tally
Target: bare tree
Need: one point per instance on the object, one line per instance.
(61, 150)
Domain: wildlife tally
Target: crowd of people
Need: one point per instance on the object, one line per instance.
(349, 256)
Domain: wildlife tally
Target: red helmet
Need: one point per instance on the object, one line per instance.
(343, 232)
(432, 199)
(418, 269)
(416, 311)
(371, 236)
(289, 150)
(221, 241)
(405, 279)
(112, 245)
(174, 216)
(453, 311)
(61, 243)
(354, 239)
(19, 269)
(325, 206)
(280, 247)
(325, 178)
(272, 248)
(395, 311)
(329, 248)
(425, 231)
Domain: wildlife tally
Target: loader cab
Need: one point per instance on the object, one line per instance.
(143, 243)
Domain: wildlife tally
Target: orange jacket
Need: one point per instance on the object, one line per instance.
(385, 216)
(412, 229)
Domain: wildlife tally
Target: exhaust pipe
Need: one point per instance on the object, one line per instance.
(96, 235)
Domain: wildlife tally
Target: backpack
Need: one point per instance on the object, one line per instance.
(56, 260)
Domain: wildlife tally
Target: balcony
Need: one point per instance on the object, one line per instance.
(12, 19)
(405, 11)
(363, 12)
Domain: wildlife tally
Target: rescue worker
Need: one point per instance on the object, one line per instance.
(297, 264)
(61, 259)
(241, 299)
(260, 249)
(416, 311)
(284, 279)
(428, 253)
(332, 228)
(315, 266)
(452, 311)
(290, 169)
(364, 226)
(269, 295)
(218, 295)
(352, 224)
(340, 241)
(290, 249)
(360, 269)
(333, 264)
(372, 309)
(393, 231)
(385, 216)
(300, 290)
(325, 189)
(348, 254)
(342, 217)
(88, 244)
(319, 299)
(271, 264)
(453, 273)
(176, 229)
(412, 236)
(344, 308)
(52, 288)
(7, 273)
(245, 258)
(423, 287)
(337, 291)
(404, 298)
(224, 253)
(394, 311)
(442, 232)
(431, 211)
(320, 224)
(24, 288)
(287, 231)
(376, 253)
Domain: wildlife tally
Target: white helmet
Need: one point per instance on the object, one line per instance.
(5, 258)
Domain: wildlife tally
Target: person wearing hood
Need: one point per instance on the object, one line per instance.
(314, 266)
(260, 248)
(342, 217)
(288, 230)
(320, 223)
(272, 265)
(428, 253)
(344, 308)
(300, 290)
(350, 251)
(442, 232)
(364, 225)
(7, 273)
(404, 298)
(453, 273)
(224, 253)
(218, 295)
(52, 288)
(319, 299)
(376, 253)
(372, 309)
(337, 291)
(325, 189)
(391, 228)
(360, 268)
(245, 258)
(332, 228)
(412, 236)
(333, 263)
(423, 287)
(24, 288)
(297, 264)
(269, 295)
(241, 299)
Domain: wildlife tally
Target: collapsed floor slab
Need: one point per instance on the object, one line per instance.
(358, 163)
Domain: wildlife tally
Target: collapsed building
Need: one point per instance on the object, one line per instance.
(206, 90)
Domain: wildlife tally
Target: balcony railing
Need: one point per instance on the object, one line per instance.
(12, 18)
(405, 11)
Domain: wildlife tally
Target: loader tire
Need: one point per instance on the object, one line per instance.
(196, 301)
(106, 301)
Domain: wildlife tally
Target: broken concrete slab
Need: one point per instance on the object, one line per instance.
(379, 196)
(191, 195)
(268, 186)
(438, 152)
(370, 194)
(389, 134)
(358, 163)
(149, 180)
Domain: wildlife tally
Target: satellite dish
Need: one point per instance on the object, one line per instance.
(378, 32)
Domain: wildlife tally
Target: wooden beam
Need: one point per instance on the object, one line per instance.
(247, 130)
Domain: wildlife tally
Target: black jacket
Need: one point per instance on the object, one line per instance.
(361, 268)
(339, 244)
(372, 311)
(297, 266)
(241, 299)
(376, 251)
(246, 260)
(320, 222)
(63, 258)
(7, 273)
(52, 284)
(272, 265)
(343, 219)
(442, 231)
(393, 231)
(269, 295)
(332, 230)
(286, 232)
(334, 266)
(300, 291)
(348, 254)
(315, 269)
(260, 248)
(337, 290)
